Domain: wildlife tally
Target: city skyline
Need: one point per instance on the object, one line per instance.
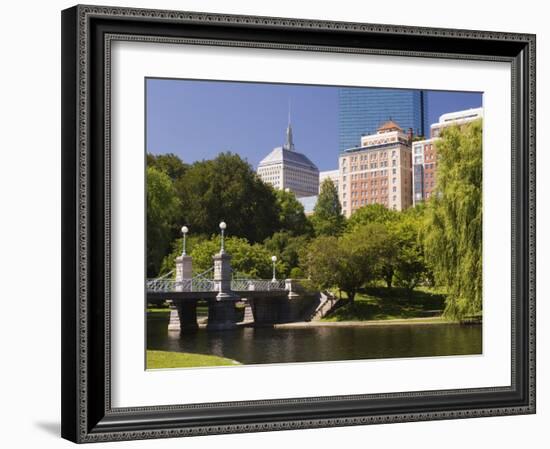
(197, 120)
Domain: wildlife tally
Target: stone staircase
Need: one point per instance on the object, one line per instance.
(248, 316)
(327, 303)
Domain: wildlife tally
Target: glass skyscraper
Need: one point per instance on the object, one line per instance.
(362, 110)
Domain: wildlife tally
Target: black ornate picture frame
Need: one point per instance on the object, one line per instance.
(87, 34)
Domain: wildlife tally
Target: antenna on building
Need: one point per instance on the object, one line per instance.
(289, 110)
(289, 144)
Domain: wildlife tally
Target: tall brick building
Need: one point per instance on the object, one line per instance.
(378, 171)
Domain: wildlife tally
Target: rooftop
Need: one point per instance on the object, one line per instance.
(282, 155)
(390, 125)
(334, 172)
(286, 154)
(466, 114)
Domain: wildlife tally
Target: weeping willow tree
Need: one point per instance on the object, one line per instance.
(454, 220)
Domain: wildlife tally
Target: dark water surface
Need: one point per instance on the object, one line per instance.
(326, 343)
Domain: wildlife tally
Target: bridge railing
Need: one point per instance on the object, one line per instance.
(200, 284)
(186, 285)
(240, 285)
(208, 274)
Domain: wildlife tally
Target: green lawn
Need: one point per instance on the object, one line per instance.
(165, 359)
(202, 311)
(380, 303)
(157, 312)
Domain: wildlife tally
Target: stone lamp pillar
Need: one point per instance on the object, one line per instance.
(183, 313)
(184, 273)
(221, 310)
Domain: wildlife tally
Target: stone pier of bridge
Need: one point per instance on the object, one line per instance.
(221, 309)
(183, 314)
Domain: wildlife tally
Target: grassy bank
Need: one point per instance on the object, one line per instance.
(161, 312)
(165, 359)
(158, 311)
(380, 303)
(202, 311)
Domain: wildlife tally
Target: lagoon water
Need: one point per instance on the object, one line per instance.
(320, 343)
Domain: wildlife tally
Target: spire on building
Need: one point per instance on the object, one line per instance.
(289, 144)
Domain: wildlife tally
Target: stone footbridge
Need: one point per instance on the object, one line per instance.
(267, 301)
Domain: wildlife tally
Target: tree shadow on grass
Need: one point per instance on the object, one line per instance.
(375, 303)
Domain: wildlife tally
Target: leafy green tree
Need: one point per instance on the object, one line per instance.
(320, 261)
(291, 214)
(287, 248)
(363, 249)
(453, 234)
(176, 248)
(327, 218)
(296, 273)
(380, 214)
(348, 262)
(387, 247)
(372, 213)
(162, 206)
(169, 163)
(227, 188)
(247, 260)
(409, 262)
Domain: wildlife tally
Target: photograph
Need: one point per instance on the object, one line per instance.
(295, 223)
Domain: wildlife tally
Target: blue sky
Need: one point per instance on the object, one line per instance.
(198, 119)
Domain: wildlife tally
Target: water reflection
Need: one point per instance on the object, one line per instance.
(309, 344)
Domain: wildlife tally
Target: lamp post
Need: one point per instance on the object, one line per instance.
(274, 260)
(222, 227)
(184, 231)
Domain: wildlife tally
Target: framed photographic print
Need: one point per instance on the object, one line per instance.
(276, 224)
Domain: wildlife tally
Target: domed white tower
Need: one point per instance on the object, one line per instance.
(287, 169)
